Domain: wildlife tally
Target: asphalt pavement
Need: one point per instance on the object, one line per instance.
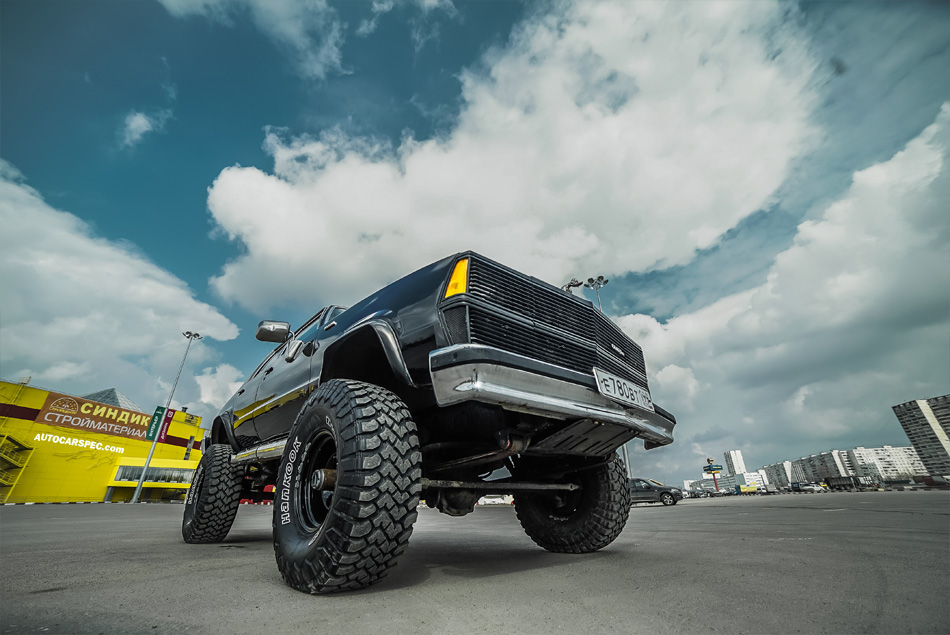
(875, 562)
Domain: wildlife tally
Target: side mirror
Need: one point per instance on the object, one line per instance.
(269, 331)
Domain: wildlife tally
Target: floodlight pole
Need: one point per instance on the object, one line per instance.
(138, 488)
(596, 284)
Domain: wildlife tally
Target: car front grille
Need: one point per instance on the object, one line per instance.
(523, 315)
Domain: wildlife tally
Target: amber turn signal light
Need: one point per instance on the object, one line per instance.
(458, 283)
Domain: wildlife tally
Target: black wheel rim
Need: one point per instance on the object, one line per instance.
(564, 505)
(314, 505)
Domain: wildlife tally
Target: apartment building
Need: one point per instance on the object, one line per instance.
(734, 463)
(927, 424)
(824, 465)
(888, 463)
(779, 474)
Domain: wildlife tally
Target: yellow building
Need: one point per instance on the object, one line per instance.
(61, 448)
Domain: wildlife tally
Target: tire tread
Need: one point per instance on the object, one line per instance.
(593, 528)
(376, 495)
(217, 502)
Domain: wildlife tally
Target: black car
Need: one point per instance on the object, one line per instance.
(644, 490)
(422, 391)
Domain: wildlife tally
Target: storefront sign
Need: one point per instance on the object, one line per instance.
(76, 413)
(155, 424)
(79, 443)
(166, 421)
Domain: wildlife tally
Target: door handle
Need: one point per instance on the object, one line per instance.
(241, 391)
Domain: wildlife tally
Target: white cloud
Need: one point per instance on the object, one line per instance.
(218, 384)
(62, 371)
(422, 32)
(852, 319)
(367, 27)
(424, 28)
(137, 124)
(678, 384)
(81, 313)
(309, 30)
(431, 5)
(613, 137)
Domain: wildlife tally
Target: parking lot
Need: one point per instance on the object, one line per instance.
(875, 562)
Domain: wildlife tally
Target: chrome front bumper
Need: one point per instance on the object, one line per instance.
(471, 372)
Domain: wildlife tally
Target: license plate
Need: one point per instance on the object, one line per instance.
(621, 390)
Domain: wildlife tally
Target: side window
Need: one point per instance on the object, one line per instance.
(309, 330)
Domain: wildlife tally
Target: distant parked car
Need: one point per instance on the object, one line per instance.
(812, 487)
(649, 491)
(696, 493)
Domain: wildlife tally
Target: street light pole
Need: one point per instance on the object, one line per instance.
(138, 488)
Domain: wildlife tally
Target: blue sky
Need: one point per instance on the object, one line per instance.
(764, 184)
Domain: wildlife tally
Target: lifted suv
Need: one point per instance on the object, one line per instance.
(428, 390)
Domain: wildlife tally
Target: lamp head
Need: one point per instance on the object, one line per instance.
(570, 285)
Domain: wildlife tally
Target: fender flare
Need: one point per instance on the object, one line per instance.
(225, 422)
(387, 340)
(387, 337)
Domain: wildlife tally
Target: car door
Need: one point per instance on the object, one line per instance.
(243, 405)
(286, 381)
(638, 491)
(649, 492)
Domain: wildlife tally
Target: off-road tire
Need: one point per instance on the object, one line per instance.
(581, 521)
(348, 538)
(213, 499)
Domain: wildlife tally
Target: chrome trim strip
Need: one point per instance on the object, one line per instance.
(531, 393)
(265, 452)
